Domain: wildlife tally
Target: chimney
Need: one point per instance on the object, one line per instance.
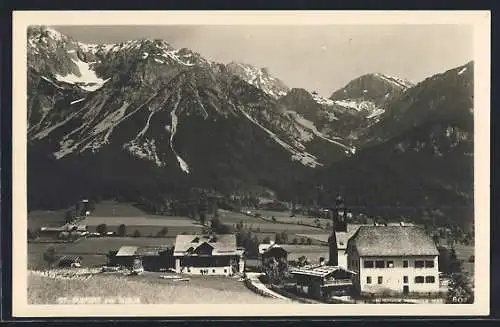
(321, 261)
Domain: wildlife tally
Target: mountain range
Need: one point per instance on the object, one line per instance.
(142, 116)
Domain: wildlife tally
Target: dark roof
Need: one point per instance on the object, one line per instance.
(221, 243)
(70, 258)
(393, 241)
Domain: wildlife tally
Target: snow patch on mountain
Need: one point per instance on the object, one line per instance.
(305, 158)
(404, 84)
(145, 150)
(463, 70)
(173, 129)
(259, 78)
(76, 101)
(321, 100)
(88, 80)
(311, 127)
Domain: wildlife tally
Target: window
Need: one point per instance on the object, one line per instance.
(213, 270)
(405, 279)
(429, 263)
(201, 271)
(380, 279)
(405, 263)
(390, 264)
(189, 270)
(379, 264)
(419, 264)
(225, 271)
(430, 279)
(368, 264)
(419, 279)
(368, 280)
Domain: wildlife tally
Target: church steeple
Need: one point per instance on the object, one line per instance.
(339, 224)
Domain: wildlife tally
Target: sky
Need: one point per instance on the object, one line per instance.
(317, 58)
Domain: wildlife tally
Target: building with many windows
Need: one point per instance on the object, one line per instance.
(392, 260)
(208, 255)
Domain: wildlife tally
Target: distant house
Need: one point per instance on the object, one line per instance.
(208, 255)
(323, 282)
(272, 250)
(149, 258)
(127, 257)
(393, 260)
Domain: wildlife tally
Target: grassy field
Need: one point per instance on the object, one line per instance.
(92, 250)
(262, 226)
(39, 218)
(101, 245)
(113, 208)
(150, 289)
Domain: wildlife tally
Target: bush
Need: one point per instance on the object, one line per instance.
(309, 241)
(295, 241)
(102, 229)
(136, 233)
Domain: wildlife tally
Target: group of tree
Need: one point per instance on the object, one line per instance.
(275, 270)
(459, 287)
(281, 238)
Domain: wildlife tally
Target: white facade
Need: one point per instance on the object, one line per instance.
(414, 274)
(219, 271)
(342, 258)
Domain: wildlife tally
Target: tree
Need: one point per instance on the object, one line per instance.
(309, 241)
(49, 256)
(459, 290)
(302, 240)
(69, 216)
(295, 241)
(278, 239)
(203, 217)
(136, 233)
(102, 229)
(163, 232)
(122, 230)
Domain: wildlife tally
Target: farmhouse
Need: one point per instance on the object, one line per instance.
(150, 258)
(208, 255)
(393, 260)
(127, 257)
(323, 282)
(271, 250)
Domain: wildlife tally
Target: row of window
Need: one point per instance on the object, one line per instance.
(206, 271)
(390, 264)
(418, 279)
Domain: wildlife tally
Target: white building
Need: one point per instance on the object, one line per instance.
(208, 255)
(393, 260)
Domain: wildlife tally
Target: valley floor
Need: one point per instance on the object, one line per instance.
(148, 287)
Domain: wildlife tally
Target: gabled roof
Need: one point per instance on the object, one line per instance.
(342, 237)
(320, 271)
(264, 247)
(222, 244)
(393, 241)
(126, 251)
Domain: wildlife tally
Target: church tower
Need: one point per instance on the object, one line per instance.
(339, 224)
